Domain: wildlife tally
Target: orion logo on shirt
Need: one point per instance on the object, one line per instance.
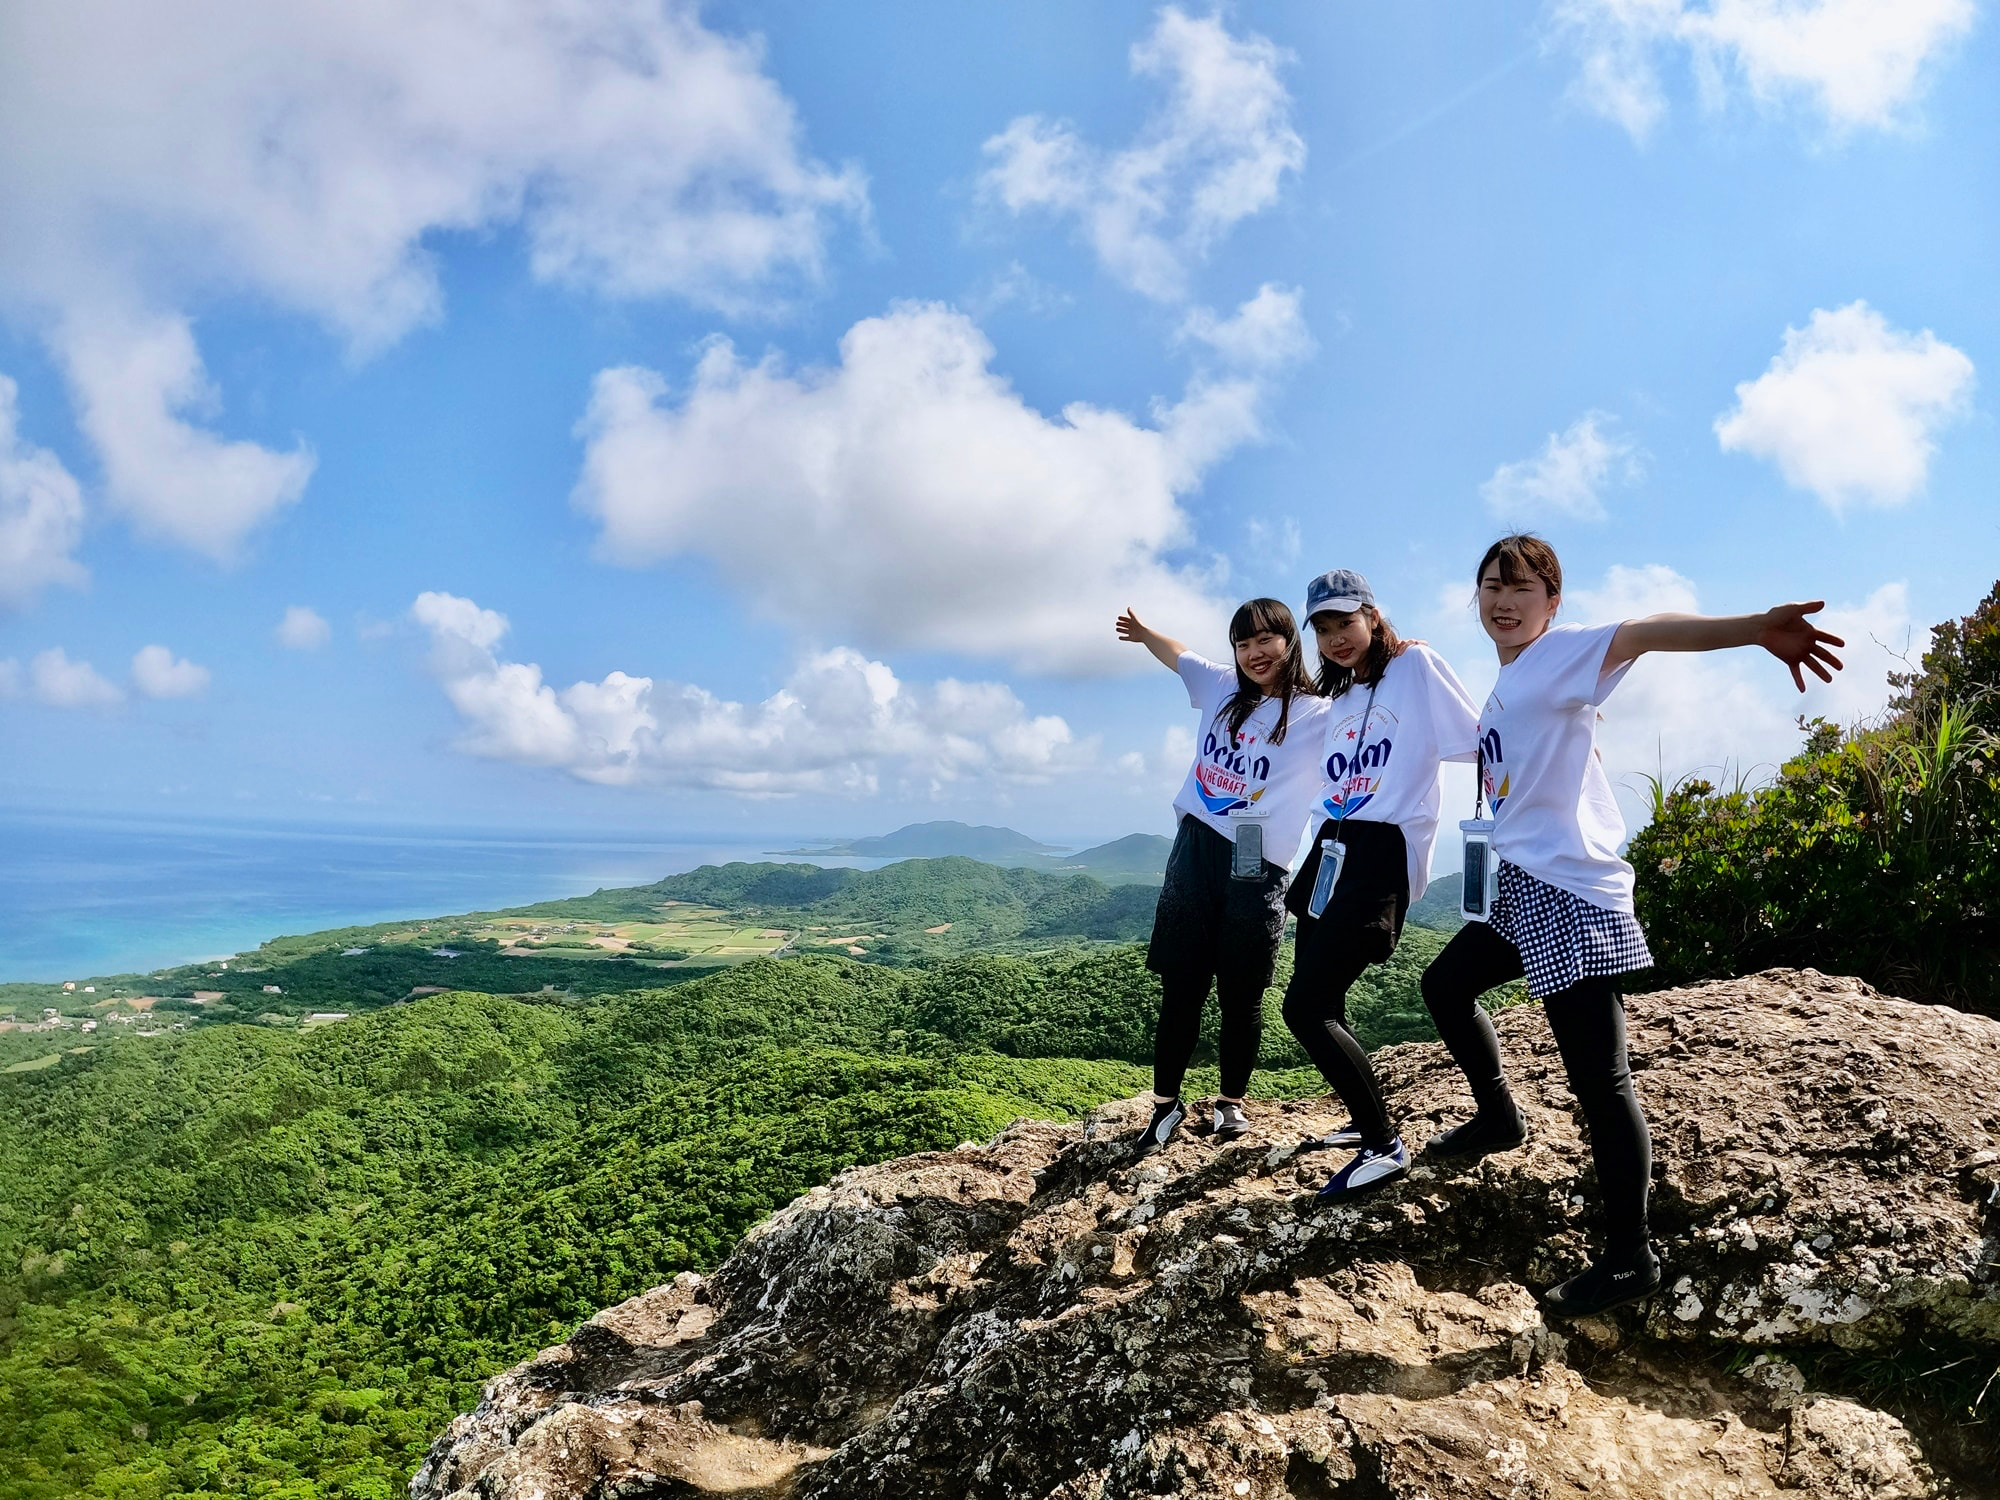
(1489, 745)
(1223, 776)
(1349, 770)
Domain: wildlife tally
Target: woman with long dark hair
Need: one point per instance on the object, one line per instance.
(1395, 711)
(1241, 811)
(1559, 909)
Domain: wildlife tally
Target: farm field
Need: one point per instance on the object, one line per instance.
(683, 933)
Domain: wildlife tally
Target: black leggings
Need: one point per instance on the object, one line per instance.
(1182, 996)
(1316, 1011)
(1588, 1020)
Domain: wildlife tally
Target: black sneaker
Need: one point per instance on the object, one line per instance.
(1230, 1123)
(1612, 1281)
(1348, 1135)
(1166, 1120)
(1481, 1135)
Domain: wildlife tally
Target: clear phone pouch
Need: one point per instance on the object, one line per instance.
(1246, 859)
(1481, 882)
(1332, 855)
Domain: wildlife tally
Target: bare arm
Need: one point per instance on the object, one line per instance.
(1784, 631)
(1166, 650)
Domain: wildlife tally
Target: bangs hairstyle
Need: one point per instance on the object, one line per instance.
(1521, 557)
(1254, 618)
(1383, 643)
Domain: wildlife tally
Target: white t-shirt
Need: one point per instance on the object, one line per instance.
(1252, 776)
(1554, 814)
(1422, 716)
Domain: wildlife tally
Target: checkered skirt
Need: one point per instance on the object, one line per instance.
(1561, 937)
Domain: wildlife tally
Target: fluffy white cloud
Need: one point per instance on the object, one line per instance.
(41, 513)
(1567, 478)
(158, 673)
(303, 153)
(57, 681)
(302, 629)
(840, 725)
(1158, 773)
(134, 386)
(1266, 333)
(1857, 62)
(909, 497)
(1213, 154)
(1849, 407)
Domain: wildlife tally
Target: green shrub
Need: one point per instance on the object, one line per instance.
(1875, 851)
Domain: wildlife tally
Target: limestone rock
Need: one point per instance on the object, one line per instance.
(1039, 1317)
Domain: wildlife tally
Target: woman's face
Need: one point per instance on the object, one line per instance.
(1514, 614)
(1261, 658)
(1343, 638)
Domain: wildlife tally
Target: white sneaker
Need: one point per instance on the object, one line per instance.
(1230, 1121)
(1368, 1169)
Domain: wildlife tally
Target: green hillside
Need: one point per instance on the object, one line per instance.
(274, 1261)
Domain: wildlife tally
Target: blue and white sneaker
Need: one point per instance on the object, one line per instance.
(1369, 1169)
(1348, 1135)
(1160, 1129)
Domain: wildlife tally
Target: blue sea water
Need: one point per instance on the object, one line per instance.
(98, 895)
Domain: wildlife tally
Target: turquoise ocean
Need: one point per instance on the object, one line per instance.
(109, 895)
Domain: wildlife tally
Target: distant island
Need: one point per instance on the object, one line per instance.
(1136, 858)
(940, 840)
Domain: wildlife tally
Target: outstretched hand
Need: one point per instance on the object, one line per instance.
(1788, 635)
(1132, 628)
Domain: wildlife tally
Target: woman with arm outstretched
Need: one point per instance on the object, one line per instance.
(1241, 812)
(1562, 914)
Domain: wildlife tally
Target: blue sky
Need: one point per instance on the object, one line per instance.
(753, 417)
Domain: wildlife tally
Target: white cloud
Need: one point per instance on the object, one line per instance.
(158, 673)
(909, 497)
(302, 629)
(1855, 62)
(841, 724)
(1567, 478)
(41, 513)
(134, 386)
(1160, 773)
(57, 681)
(1850, 406)
(1215, 153)
(303, 154)
(1266, 333)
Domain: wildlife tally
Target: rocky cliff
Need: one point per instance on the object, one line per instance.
(1037, 1317)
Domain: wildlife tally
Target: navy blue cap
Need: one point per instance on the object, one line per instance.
(1340, 589)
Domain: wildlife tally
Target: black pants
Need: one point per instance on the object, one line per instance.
(1588, 1020)
(1182, 996)
(1212, 930)
(1361, 926)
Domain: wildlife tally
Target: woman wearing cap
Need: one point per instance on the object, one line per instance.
(1562, 912)
(1395, 711)
(1242, 810)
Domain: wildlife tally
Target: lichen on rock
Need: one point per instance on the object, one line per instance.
(1038, 1317)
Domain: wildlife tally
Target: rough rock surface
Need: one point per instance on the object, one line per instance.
(1037, 1317)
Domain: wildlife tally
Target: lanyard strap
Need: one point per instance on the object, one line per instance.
(1360, 744)
(1479, 781)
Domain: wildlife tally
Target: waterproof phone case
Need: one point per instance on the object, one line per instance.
(1332, 855)
(1482, 870)
(1246, 859)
